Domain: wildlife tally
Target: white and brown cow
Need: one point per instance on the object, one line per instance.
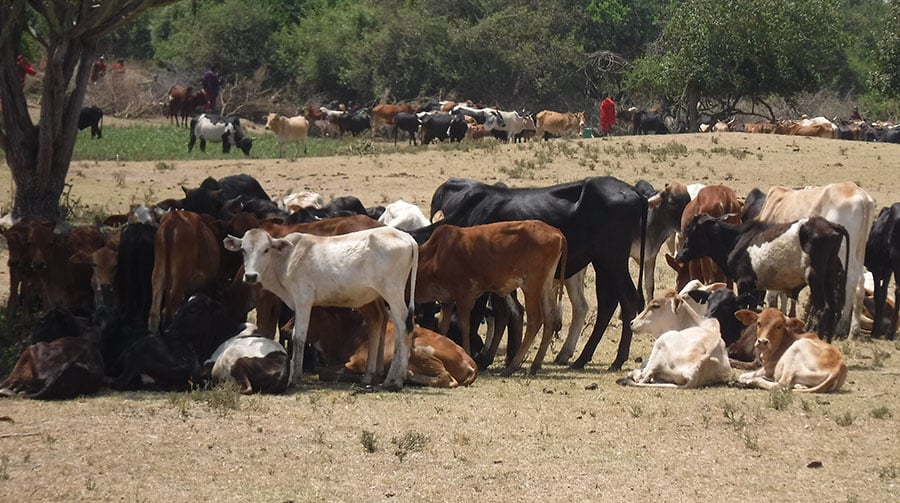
(255, 364)
(362, 270)
(790, 357)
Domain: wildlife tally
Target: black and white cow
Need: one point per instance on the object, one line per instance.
(883, 260)
(215, 128)
(488, 117)
(91, 116)
(255, 364)
(781, 257)
(600, 218)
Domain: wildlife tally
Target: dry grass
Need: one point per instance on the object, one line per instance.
(561, 436)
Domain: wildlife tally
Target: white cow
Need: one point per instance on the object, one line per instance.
(841, 203)
(253, 363)
(515, 124)
(362, 270)
(404, 216)
(288, 130)
(218, 129)
(688, 357)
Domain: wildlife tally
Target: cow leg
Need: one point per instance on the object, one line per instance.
(402, 318)
(649, 273)
(376, 321)
(463, 317)
(551, 316)
(515, 316)
(892, 329)
(202, 145)
(618, 287)
(428, 370)
(298, 339)
(575, 290)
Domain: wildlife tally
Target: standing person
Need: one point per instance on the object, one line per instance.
(211, 86)
(607, 114)
(99, 69)
(23, 69)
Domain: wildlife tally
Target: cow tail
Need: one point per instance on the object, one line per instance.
(842, 290)
(640, 285)
(563, 257)
(412, 287)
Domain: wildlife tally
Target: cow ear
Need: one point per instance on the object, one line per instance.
(676, 303)
(699, 296)
(187, 191)
(746, 316)
(796, 325)
(281, 245)
(654, 200)
(232, 243)
(673, 263)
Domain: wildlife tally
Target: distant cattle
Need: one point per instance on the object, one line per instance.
(488, 117)
(803, 363)
(218, 129)
(288, 130)
(91, 117)
(514, 124)
(184, 102)
(384, 114)
(354, 122)
(643, 122)
(441, 126)
(557, 123)
(408, 123)
(363, 269)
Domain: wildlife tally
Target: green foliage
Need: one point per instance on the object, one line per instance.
(887, 76)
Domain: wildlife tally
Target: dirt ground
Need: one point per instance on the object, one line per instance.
(563, 435)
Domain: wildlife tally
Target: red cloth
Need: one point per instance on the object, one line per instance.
(607, 114)
(23, 68)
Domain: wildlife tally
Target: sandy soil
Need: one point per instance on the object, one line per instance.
(560, 436)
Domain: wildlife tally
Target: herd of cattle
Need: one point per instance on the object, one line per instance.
(160, 299)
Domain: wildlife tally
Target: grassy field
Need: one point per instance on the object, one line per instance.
(559, 436)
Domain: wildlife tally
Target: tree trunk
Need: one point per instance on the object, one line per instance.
(693, 100)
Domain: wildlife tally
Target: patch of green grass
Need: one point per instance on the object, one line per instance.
(780, 398)
(367, 439)
(881, 412)
(844, 419)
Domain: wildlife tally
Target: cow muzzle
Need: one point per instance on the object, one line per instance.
(251, 278)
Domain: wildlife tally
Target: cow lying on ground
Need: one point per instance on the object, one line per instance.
(255, 364)
(218, 129)
(362, 269)
(55, 367)
(91, 117)
(802, 362)
(288, 130)
(403, 215)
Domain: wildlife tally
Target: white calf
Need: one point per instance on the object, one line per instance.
(404, 216)
(292, 203)
(355, 270)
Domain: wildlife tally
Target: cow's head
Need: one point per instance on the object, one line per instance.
(660, 315)
(273, 121)
(774, 330)
(41, 238)
(105, 262)
(699, 238)
(258, 248)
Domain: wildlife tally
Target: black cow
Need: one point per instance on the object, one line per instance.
(91, 116)
(890, 135)
(442, 126)
(600, 218)
(783, 257)
(215, 128)
(134, 270)
(753, 204)
(883, 260)
(406, 122)
(343, 206)
(354, 122)
(643, 122)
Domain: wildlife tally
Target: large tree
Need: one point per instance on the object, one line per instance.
(68, 31)
(731, 50)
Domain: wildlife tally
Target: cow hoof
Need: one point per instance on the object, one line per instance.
(577, 366)
(562, 359)
(507, 372)
(614, 367)
(392, 386)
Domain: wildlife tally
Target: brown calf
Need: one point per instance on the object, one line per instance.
(790, 357)
(716, 201)
(459, 264)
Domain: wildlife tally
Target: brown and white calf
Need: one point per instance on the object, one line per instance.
(801, 361)
(459, 264)
(255, 364)
(363, 269)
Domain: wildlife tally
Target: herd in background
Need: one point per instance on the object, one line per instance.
(160, 298)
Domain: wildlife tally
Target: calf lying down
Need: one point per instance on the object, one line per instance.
(255, 364)
(803, 362)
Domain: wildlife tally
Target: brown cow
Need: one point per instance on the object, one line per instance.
(434, 360)
(716, 201)
(57, 281)
(20, 292)
(184, 102)
(557, 123)
(384, 114)
(803, 362)
(186, 260)
(459, 264)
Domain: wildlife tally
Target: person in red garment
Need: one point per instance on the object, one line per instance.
(607, 114)
(23, 68)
